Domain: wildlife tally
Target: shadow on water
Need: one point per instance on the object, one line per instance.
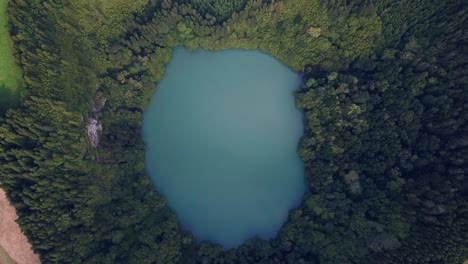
(8, 98)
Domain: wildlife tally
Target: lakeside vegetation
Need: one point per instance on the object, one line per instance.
(385, 144)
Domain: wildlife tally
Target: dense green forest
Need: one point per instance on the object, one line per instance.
(385, 147)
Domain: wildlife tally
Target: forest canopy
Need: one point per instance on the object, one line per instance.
(385, 145)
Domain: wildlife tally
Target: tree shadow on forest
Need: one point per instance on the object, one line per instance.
(8, 98)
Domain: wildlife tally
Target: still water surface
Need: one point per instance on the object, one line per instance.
(222, 132)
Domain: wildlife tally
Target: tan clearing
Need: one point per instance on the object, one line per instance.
(4, 258)
(12, 240)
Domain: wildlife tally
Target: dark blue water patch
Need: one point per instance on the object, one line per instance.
(222, 132)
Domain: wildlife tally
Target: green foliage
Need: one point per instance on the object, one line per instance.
(103, 19)
(10, 76)
(8, 98)
(220, 9)
(384, 147)
(298, 32)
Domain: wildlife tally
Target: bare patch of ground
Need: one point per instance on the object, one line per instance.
(12, 240)
(4, 258)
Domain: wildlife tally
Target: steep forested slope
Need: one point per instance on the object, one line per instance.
(385, 145)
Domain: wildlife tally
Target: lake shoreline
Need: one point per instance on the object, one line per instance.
(236, 174)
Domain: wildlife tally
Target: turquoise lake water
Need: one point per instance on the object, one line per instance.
(222, 133)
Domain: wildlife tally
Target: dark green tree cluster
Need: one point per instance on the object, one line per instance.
(221, 10)
(77, 203)
(385, 145)
(296, 31)
(8, 98)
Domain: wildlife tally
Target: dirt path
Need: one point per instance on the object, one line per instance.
(12, 240)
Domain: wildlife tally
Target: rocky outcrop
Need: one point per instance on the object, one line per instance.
(93, 132)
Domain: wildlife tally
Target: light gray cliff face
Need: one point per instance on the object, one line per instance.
(94, 129)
